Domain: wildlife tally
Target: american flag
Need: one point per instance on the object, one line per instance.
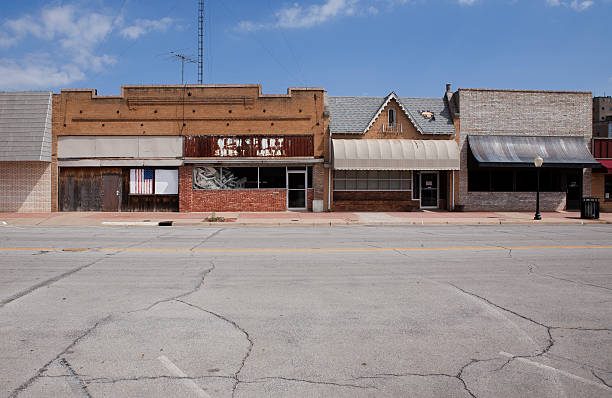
(141, 181)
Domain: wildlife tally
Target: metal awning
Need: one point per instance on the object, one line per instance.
(519, 151)
(385, 154)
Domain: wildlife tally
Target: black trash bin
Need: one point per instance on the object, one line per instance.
(589, 208)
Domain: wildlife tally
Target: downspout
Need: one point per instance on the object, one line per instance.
(329, 171)
(453, 189)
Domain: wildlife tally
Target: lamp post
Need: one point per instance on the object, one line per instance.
(538, 164)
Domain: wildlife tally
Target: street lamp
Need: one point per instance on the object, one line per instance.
(538, 164)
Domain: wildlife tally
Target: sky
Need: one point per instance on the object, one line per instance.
(349, 47)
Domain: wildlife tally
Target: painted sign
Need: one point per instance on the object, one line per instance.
(249, 146)
(216, 178)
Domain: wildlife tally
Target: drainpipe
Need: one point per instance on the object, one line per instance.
(453, 189)
(329, 171)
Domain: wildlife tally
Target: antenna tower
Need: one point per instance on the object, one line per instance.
(183, 59)
(201, 42)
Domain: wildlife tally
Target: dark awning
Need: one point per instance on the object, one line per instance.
(519, 151)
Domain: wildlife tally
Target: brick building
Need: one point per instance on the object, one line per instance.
(25, 155)
(602, 117)
(500, 132)
(189, 148)
(602, 151)
(391, 153)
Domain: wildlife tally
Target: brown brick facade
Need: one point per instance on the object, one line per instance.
(521, 113)
(221, 111)
(26, 187)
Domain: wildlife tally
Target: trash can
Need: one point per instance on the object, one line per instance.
(589, 208)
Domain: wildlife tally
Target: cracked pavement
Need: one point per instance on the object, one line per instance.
(474, 312)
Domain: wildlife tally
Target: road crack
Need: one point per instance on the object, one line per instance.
(600, 379)
(48, 282)
(458, 376)
(74, 380)
(109, 380)
(206, 239)
(326, 383)
(198, 285)
(42, 370)
(236, 375)
(550, 343)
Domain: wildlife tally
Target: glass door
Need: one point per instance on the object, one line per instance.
(296, 189)
(429, 190)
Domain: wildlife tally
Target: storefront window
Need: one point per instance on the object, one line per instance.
(153, 181)
(209, 177)
(608, 188)
(372, 180)
(272, 177)
(517, 180)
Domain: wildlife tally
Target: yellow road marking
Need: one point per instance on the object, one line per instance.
(293, 250)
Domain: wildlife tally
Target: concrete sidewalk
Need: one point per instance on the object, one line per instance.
(295, 218)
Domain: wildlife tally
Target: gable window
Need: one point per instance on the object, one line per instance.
(391, 117)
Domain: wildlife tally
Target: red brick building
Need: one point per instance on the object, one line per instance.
(189, 148)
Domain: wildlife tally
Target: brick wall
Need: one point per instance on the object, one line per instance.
(200, 200)
(25, 187)
(514, 201)
(524, 113)
(374, 201)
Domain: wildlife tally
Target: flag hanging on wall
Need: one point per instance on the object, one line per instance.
(141, 181)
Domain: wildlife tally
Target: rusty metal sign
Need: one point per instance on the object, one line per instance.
(249, 146)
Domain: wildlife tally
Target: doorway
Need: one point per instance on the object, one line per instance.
(574, 190)
(297, 194)
(111, 192)
(429, 190)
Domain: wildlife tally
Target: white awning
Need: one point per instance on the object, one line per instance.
(385, 154)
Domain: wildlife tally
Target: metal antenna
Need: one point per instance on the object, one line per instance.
(183, 59)
(201, 42)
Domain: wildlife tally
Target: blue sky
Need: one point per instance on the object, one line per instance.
(349, 47)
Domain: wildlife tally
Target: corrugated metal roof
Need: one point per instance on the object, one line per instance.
(519, 151)
(352, 115)
(395, 154)
(25, 126)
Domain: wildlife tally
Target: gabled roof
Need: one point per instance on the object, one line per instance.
(25, 126)
(355, 115)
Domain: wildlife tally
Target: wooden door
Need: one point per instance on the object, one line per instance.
(111, 192)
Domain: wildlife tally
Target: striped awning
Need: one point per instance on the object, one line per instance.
(520, 151)
(387, 154)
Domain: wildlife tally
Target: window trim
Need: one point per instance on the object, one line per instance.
(389, 113)
(400, 180)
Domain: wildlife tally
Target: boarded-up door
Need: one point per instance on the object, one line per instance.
(111, 192)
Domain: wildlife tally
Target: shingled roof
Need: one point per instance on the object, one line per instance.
(353, 115)
(25, 126)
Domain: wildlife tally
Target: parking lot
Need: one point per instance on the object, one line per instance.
(355, 311)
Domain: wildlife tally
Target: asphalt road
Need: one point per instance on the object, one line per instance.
(504, 311)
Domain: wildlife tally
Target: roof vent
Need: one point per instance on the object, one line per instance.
(428, 115)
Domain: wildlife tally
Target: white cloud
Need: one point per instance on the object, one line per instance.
(73, 35)
(298, 16)
(578, 5)
(143, 26)
(32, 73)
(466, 2)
